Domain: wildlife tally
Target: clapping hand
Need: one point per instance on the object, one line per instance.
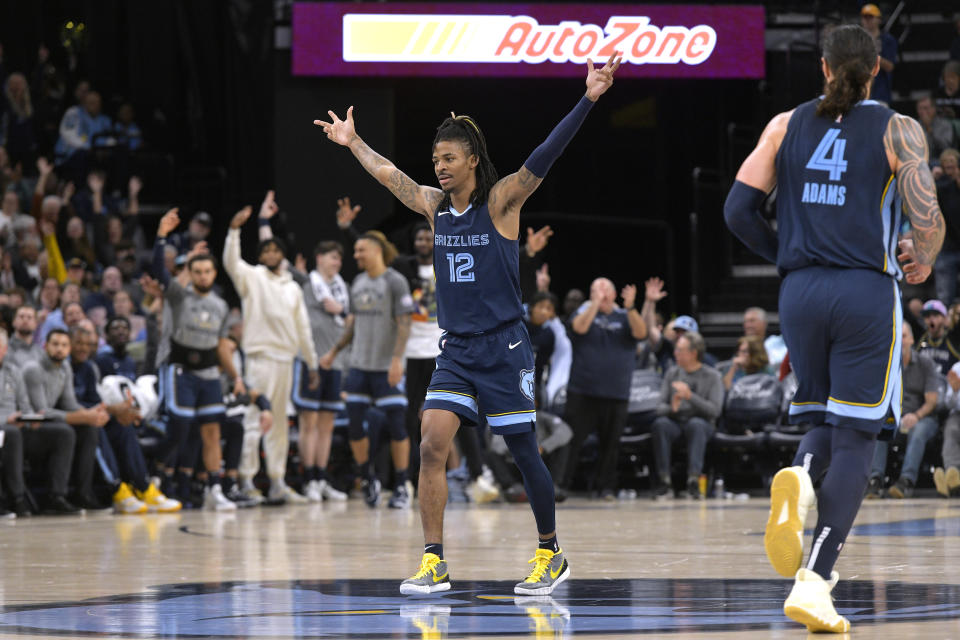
(629, 295)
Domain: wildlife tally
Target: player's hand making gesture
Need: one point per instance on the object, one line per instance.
(598, 80)
(341, 131)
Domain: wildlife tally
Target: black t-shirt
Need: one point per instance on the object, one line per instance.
(542, 341)
(944, 352)
(948, 194)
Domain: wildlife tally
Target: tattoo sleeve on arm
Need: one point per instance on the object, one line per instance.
(513, 190)
(403, 333)
(905, 139)
(411, 194)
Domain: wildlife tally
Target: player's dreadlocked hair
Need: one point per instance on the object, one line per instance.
(464, 130)
(851, 54)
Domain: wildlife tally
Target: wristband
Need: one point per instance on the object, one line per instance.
(263, 222)
(262, 403)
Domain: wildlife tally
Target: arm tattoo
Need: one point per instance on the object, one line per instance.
(906, 140)
(347, 336)
(514, 189)
(403, 333)
(411, 194)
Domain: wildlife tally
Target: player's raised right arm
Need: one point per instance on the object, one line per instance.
(906, 145)
(423, 200)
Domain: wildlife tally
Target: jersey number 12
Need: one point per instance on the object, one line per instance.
(461, 267)
(835, 164)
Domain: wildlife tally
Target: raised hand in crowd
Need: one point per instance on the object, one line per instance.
(69, 190)
(346, 213)
(151, 286)
(537, 240)
(300, 263)
(543, 278)
(629, 295)
(199, 249)
(653, 290)
(240, 217)
(134, 185)
(269, 206)
(169, 222)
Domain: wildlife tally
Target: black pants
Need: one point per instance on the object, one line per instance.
(605, 416)
(84, 458)
(51, 442)
(128, 458)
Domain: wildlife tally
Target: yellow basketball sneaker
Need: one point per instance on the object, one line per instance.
(157, 502)
(791, 497)
(810, 603)
(549, 570)
(432, 576)
(125, 502)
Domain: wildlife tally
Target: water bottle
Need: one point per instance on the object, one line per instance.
(718, 490)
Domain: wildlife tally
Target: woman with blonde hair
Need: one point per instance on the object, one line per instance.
(751, 358)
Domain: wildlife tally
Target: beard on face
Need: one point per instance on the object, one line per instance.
(202, 288)
(56, 357)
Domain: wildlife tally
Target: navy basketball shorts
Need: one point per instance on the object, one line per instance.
(489, 375)
(371, 387)
(189, 397)
(326, 397)
(843, 332)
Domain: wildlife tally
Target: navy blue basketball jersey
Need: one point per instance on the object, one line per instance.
(477, 270)
(837, 200)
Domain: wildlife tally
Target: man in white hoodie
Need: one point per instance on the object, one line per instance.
(276, 330)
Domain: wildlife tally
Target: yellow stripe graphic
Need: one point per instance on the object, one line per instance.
(425, 35)
(442, 38)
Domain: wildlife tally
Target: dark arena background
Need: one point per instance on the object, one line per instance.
(206, 106)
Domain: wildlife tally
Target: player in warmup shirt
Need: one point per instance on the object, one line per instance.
(485, 370)
(380, 308)
(835, 161)
(193, 349)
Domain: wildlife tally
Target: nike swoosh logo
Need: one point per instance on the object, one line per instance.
(553, 576)
(514, 345)
(437, 578)
(443, 213)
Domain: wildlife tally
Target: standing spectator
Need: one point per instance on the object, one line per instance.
(531, 260)
(328, 300)
(940, 134)
(940, 343)
(948, 195)
(50, 441)
(197, 231)
(921, 384)
(604, 340)
(947, 477)
(751, 358)
(78, 128)
(49, 384)
(690, 402)
(870, 19)
(16, 121)
(22, 348)
(947, 97)
(276, 328)
(380, 310)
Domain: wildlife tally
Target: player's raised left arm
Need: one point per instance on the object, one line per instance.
(509, 194)
(755, 179)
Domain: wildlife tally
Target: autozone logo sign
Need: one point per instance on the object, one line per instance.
(506, 39)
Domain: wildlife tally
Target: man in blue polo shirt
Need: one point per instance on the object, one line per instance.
(604, 338)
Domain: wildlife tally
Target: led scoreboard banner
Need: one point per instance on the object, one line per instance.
(540, 40)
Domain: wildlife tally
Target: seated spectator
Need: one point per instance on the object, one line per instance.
(123, 308)
(947, 97)
(49, 442)
(939, 130)
(130, 269)
(28, 269)
(604, 338)
(882, 87)
(751, 358)
(553, 438)
(78, 129)
(690, 402)
(755, 324)
(947, 477)
(21, 346)
(125, 129)
(920, 392)
(50, 387)
(11, 217)
(70, 294)
(99, 304)
(16, 121)
(132, 490)
(939, 342)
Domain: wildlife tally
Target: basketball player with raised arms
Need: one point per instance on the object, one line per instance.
(485, 368)
(846, 168)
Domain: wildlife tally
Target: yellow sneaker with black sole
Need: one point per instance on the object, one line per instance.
(433, 576)
(549, 571)
(791, 497)
(810, 603)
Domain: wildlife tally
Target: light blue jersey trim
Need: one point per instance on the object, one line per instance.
(512, 418)
(391, 401)
(358, 398)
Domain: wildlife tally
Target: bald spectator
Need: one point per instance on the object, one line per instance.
(604, 338)
(22, 348)
(690, 402)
